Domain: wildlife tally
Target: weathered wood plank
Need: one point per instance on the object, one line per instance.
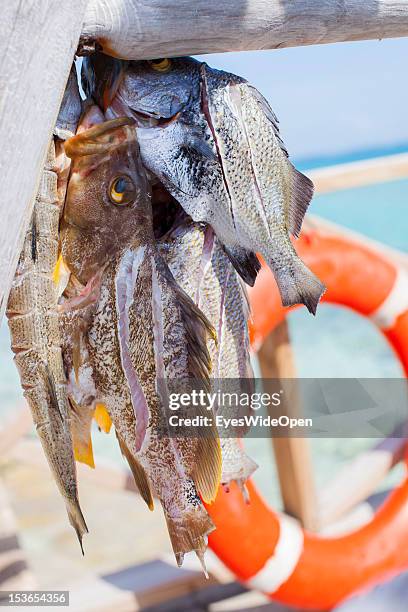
(38, 40)
(163, 28)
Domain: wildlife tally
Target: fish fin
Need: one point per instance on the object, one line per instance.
(196, 325)
(245, 262)
(198, 329)
(300, 287)
(84, 454)
(61, 275)
(190, 533)
(81, 422)
(102, 417)
(302, 187)
(76, 518)
(139, 474)
(266, 108)
(301, 195)
(208, 466)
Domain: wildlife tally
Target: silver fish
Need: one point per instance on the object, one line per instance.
(213, 142)
(201, 267)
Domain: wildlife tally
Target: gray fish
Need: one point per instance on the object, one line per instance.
(201, 267)
(213, 141)
(144, 330)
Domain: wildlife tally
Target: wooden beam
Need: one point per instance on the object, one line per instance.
(292, 455)
(164, 28)
(37, 45)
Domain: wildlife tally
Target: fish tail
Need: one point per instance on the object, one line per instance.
(190, 533)
(208, 466)
(299, 285)
(240, 467)
(76, 518)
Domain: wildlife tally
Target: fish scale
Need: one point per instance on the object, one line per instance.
(36, 342)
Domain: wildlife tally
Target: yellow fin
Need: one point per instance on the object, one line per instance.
(83, 453)
(61, 275)
(81, 421)
(102, 418)
(208, 467)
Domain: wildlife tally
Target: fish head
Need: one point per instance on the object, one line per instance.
(107, 206)
(155, 90)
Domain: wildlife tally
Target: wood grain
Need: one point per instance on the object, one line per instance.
(292, 455)
(38, 40)
(140, 29)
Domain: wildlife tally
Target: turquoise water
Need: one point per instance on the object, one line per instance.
(358, 155)
(336, 342)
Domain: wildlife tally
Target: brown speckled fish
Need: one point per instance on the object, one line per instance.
(201, 267)
(35, 338)
(143, 329)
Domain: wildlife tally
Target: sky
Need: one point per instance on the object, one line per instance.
(331, 99)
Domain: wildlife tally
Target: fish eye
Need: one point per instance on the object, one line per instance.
(121, 191)
(161, 65)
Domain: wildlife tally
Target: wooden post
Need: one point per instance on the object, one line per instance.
(37, 45)
(292, 455)
(165, 28)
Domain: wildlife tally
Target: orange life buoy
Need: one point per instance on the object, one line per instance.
(270, 551)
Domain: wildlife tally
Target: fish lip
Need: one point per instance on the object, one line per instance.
(87, 296)
(145, 120)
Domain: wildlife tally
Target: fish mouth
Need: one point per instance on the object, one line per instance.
(167, 212)
(152, 121)
(143, 119)
(82, 295)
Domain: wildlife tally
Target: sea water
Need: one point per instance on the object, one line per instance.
(336, 342)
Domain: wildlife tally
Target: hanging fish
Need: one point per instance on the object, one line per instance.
(201, 267)
(144, 330)
(213, 141)
(36, 341)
